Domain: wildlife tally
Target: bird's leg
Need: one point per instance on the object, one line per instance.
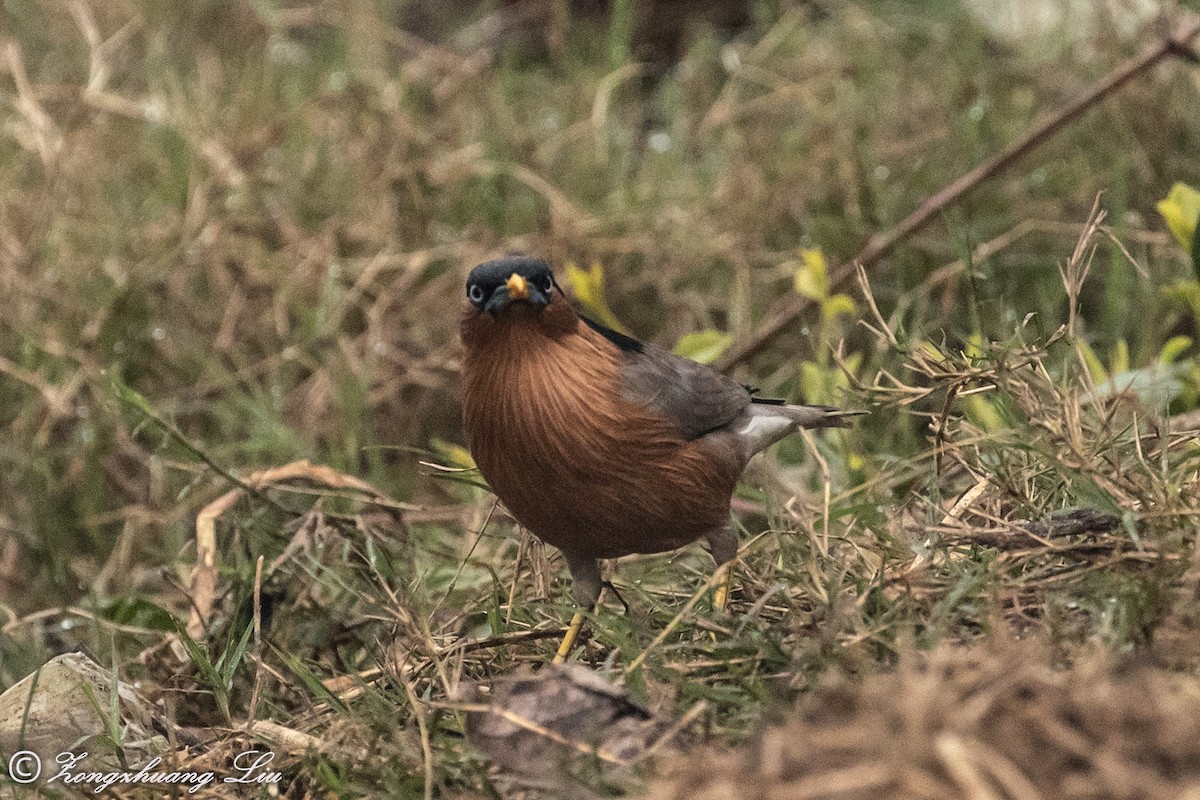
(568, 640)
(721, 594)
(613, 589)
(585, 585)
(723, 545)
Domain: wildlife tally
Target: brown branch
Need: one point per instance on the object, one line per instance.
(1040, 533)
(881, 244)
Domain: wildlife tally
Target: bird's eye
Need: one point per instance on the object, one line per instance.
(547, 284)
(475, 293)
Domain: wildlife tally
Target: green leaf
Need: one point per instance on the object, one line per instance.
(812, 276)
(703, 346)
(199, 657)
(1188, 292)
(130, 396)
(140, 611)
(1181, 209)
(229, 661)
(315, 686)
(588, 287)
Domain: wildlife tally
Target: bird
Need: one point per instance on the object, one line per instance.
(597, 443)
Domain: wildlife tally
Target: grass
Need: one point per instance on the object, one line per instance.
(258, 219)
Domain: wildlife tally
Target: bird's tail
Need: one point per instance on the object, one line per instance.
(770, 422)
(818, 416)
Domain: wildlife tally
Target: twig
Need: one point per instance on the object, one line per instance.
(298, 743)
(826, 482)
(254, 695)
(512, 588)
(423, 729)
(880, 245)
(503, 639)
(864, 286)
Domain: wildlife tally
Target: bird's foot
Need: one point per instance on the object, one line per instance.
(721, 593)
(568, 640)
(576, 624)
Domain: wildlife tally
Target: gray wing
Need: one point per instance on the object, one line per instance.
(701, 400)
(696, 398)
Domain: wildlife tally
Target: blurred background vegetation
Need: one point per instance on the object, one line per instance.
(249, 223)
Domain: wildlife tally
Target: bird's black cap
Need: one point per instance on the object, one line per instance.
(494, 285)
(491, 274)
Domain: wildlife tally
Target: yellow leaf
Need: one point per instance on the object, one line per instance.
(812, 277)
(848, 368)
(703, 346)
(981, 411)
(1181, 209)
(1173, 349)
(974, 348)
(588, 287)
(930, 349)
(852, 362)
(839, 304)
(813, 383)
(1094, 367)
(453, 454)
(1118, 359)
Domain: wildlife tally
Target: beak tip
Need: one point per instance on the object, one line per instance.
(518, 287)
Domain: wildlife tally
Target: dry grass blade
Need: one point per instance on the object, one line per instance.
(1075, 271)
(971, 723)
(244, 243)
(204, 574)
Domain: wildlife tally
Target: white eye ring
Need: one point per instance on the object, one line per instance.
(548, 285)
(475, 293)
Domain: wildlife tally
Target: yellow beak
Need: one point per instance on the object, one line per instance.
(518, 289)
